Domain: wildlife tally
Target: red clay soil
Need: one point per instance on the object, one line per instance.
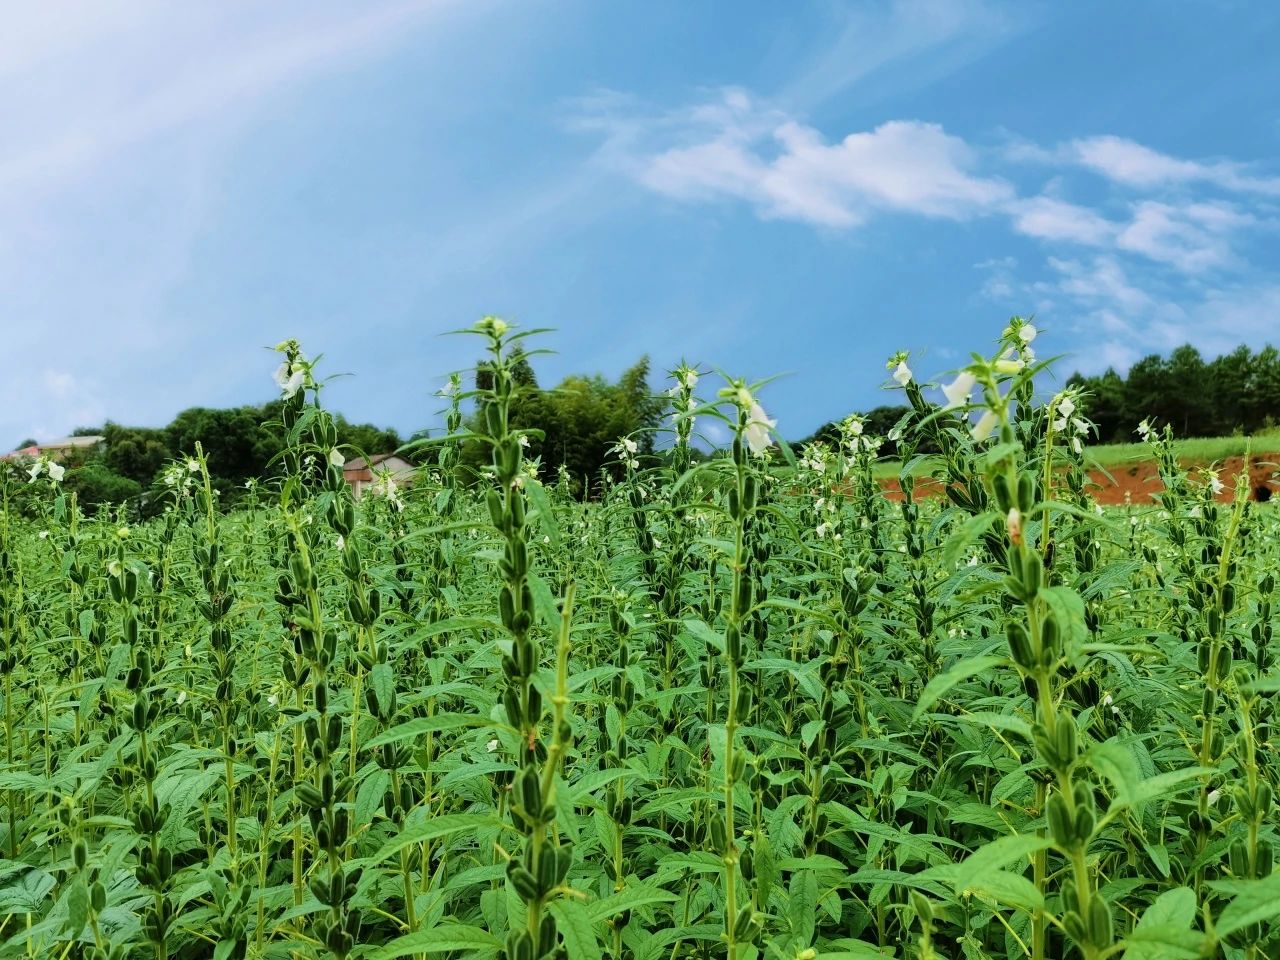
(1140, 482)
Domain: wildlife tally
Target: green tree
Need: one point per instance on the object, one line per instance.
(135, 452)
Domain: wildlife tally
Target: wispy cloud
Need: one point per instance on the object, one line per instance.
(130, 72)
(734, 148)
(1142, 269)
(920, 40)
(1134, 165)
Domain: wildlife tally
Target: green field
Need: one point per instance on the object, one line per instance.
(713, 715)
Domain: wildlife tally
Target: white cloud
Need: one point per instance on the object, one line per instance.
(1132, 164)
(736, 149)
(1047, 218)
(1192, 237)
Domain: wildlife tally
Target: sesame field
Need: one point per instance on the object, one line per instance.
(726, 710)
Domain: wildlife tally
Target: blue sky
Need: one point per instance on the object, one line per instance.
(796, 189)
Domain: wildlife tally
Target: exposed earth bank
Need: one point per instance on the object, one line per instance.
(1139, 482)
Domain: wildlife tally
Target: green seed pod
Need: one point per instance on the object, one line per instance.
(1061, 825)
(1208, 700)
(1263, 798)
(1238, 857)
(98, 896)
(718, 838)
(1000, 486)
(1020, 645)
(745, 702)
(1026, 492)
(79, 853)
(1075, 928)
(1223, 664)
(1101, 928)
(1032, 572)
(1067, 746)
(1243, 802)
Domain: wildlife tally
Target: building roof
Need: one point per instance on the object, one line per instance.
(65, 443)
(360, 463)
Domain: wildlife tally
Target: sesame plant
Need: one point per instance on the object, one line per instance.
(733, 707)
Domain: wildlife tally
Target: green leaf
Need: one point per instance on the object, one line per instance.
(1164, 931)
(1067, 608)
(982, 871)
(420, 726)
(628, 899)
(435, 828)
(441, 939)
(383, 683)
(1255, 901)
(576, 928)
(964, 537)
(546, 516)
(943, 682)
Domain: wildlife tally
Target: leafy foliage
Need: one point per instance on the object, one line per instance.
(724, 711)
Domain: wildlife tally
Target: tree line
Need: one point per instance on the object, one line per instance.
(239, 442)
(1236, 392)
(574, 426)
(572, 429)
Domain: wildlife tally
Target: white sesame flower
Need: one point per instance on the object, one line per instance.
(1009, 364)
(1215, 484)
(273, 699)
(902, 374)
(492, 745)
(56, 471)
(1065, 405)
(1144, 429)
(336, 458)
(35, 470)
(1027, 333)
(1106, 700)
(43, 534)
(290, 377)
(182, 697)
(823, 529)
(1213, 797)
(689, 379)
(757, 430)
(958, 391)
(524, 441)
(193, 465)
(985, 425)
(341, 542)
